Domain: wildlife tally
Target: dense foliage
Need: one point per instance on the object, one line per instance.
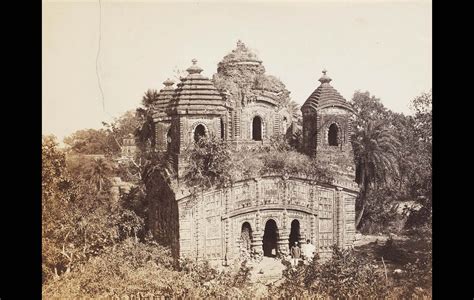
(91, 141)
(79, 217)
(352, 275)
(145, 268)
(214, 162)
(107, 140)
(393, 159)
(344, 276)
(97, 245)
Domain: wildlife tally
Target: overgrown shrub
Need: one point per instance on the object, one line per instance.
(345, 276)
(417, 278)
(133, 268)
(208, 163)
(213, 162)
(392, 252)
(380, 215)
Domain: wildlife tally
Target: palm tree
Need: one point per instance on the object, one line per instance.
(149, 98)
(294, 110)
(98, 172)
(375, 150)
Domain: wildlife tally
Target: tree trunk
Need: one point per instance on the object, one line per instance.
(359, 217)
(363, 197)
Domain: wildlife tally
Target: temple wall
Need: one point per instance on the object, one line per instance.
(161, 135)
(210, 223)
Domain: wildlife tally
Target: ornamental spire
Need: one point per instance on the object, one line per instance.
(325, 78)
(168, 82)
(194, 69)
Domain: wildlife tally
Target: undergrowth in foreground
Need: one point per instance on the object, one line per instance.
(133, 268)
(349, 275)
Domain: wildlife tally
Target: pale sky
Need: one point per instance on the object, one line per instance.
(383, 47)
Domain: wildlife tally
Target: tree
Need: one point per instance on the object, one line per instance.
(422, 106)
(90, 141)
(56, 192)
(122, 127)
(53, 170)
(146, 131)
(78, 222)
(209, 163)
(368, 108)
(150, 97)
(375, 146)
(98, 172)
(421, 180)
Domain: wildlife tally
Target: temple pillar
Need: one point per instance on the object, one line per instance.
(339, 220)
(303, 234)
(257, 240)
(257, 244)
(282, 243)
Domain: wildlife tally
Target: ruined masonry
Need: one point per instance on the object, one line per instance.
(259, 216)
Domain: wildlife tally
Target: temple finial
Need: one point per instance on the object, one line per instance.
(194, 69)
(325, 78)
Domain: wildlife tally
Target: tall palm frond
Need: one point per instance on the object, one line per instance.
(97, 173)
(375, 148)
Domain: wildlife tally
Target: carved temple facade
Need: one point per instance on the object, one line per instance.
(274, 210)
(258, 216)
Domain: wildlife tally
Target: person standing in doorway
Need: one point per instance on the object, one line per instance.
(308, 251)
(295, 254)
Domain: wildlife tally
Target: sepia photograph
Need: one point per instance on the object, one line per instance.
(236, 149)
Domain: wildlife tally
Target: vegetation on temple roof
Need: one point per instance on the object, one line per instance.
(244, 82)
(216, 163)
(241, 54)
(95, 247)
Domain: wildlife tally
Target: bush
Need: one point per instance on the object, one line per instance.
(392, 252)
(132, 268)
(214, 162)
(345, 276)
(417, 279)
(380, 215)
(209, 163)
(109, 273)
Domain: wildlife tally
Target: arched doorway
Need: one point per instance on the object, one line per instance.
(168, 140)
(333, 135)
(294, 233)
(246, 237)
(199, 132)
(270, 238)
(222, 129)
(257, 128)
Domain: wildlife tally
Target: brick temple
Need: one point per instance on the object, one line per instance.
(244, 106)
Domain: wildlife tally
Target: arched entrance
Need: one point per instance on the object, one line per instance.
(246, 237)
(257, 128)
(333, 135)
(222, 129)
(199, 132)
(294, 233)
(168, 140)
(270, 238)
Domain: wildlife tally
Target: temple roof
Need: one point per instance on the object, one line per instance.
(326, 96)
(164, 98)
(241, 55)
(196, 94)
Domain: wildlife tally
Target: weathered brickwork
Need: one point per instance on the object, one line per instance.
(211, 223)
(257, 216)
